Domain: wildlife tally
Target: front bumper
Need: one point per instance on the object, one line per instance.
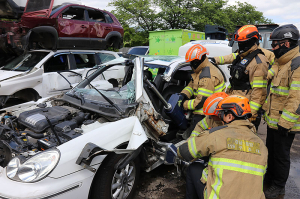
(76, 185)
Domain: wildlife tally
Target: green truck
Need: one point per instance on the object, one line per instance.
(167, 42)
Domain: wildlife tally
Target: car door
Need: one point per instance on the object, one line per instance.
(73, 27)
(81, 63)
(99, 26)
(55, 76)
(116, 72)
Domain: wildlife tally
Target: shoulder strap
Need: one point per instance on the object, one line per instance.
(295, 63)
(217, 128)
(258, 60)
(236, 60)
(251, 56)
(205, 72)
(223, 74)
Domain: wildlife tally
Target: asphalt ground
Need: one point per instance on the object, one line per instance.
(163, 182)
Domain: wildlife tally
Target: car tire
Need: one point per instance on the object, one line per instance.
(110, 183)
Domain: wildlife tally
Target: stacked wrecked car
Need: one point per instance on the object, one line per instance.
(55, 24)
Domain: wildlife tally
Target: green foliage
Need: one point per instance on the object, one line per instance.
(135, 38)
(150, 15)
(242, 14)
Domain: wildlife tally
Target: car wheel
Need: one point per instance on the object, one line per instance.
(110, 183)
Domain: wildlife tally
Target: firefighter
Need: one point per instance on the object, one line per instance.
(206, 80)
(228, 59)
(237, 157)
(249, 71)
(211, 119)
(283, 107)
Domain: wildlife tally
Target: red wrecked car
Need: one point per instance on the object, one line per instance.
(53, 24)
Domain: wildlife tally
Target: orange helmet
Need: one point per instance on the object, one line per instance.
(238, 105)
(210, 104)
(246, 32)
(195, 52)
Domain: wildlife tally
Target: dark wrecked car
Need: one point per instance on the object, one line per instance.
(52, 24)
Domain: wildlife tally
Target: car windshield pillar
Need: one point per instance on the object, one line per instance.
(139, 66)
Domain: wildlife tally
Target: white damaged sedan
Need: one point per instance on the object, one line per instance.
(91, 143)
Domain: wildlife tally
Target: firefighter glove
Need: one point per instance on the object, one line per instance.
(253, 118)
(181, 99)
(283, 131)
(213, 60)
(171, 154)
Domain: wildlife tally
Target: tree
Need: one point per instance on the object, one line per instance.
(150, 15)
(133, 37)
(242, 14)
(175, 14)
(138, 13)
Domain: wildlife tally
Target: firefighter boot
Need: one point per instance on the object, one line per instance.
(274, 191)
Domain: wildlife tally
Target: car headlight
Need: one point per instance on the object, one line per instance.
(35, 168)
(12, 167)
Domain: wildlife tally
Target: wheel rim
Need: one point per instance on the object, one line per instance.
(123, 181)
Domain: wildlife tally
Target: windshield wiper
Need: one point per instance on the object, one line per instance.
(109, 101)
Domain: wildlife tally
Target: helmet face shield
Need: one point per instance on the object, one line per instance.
(238, 110)
(244, 46)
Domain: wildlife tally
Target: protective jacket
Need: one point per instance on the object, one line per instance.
(237, 160)
(205, 124)
(228, 59)
(254, 83)
(206, 80)
(283, 102)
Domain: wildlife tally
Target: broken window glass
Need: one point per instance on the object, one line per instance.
(25, 62)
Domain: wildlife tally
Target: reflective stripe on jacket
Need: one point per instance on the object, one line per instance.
(228, 59)
(206, 80)
(238, 158)
(205, 124)
(283, 102)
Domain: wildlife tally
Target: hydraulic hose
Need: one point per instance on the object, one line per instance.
(33, 135)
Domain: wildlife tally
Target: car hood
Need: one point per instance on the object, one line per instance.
(108, 136)
(38, 8)
(4, 74)
(43, 8)
(9, 9)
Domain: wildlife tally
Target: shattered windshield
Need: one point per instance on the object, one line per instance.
(122, 95)
(35, 5)
(25, 62)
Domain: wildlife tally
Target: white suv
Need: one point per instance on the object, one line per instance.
(44, 73)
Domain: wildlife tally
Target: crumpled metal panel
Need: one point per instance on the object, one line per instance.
(152, 120)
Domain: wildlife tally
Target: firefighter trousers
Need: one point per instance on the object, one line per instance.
(279, 147)
(196, 118)
(194, 187)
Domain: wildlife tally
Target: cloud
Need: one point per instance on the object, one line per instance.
(102, 5)
(281, 12)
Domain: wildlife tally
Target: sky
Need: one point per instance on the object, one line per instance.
(280, 11)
